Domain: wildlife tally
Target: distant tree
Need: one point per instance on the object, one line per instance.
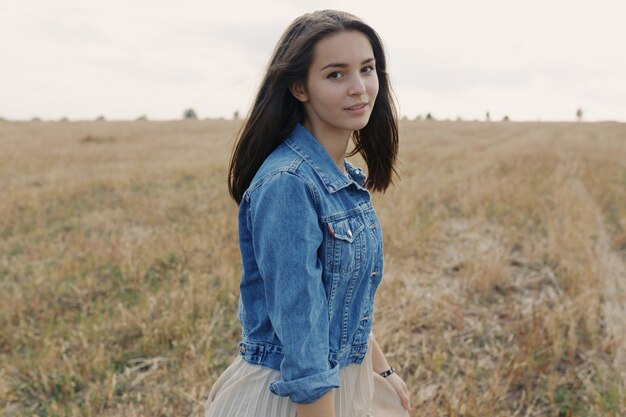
(505, 119)
(405, 118)
(141, 118)
(429, 117)
(236, 115)
(100, 119)
(190, 114)
(63, 119)
(36, 119)
(487, 116)
(418, 117)
(579, 114)
(458, 119)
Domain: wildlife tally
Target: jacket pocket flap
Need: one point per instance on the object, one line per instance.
(346, 229)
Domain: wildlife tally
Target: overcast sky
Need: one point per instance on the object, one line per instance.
(535, 59)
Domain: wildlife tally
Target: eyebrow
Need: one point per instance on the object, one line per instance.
(345, 65)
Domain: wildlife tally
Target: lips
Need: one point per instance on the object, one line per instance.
(357, 106)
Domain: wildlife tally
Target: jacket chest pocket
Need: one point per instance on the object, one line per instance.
(348, 244)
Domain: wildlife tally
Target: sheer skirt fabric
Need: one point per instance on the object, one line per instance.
(243, 390)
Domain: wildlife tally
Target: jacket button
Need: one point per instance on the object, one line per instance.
(242, 349)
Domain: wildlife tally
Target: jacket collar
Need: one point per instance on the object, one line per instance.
(311, 150)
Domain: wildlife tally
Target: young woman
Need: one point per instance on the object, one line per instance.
(310, 240)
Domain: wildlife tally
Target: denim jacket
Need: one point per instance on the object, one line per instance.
(312, 259)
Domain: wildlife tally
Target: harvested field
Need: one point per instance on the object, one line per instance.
(503, 294)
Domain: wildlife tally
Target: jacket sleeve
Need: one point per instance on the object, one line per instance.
(286, 236)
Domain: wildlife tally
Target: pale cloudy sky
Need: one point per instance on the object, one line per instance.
(533, 59)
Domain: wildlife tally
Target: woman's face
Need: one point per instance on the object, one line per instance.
(341, 85)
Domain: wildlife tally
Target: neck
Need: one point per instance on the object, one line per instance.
(334, 141)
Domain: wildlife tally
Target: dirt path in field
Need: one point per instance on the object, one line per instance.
(612, 272)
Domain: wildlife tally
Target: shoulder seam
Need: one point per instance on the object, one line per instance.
(293, 166)
(292, 171)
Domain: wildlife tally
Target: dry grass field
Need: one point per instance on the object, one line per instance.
(504, 292)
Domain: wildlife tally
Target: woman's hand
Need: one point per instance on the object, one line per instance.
(401, 389)
(322, 407)
(379, 362)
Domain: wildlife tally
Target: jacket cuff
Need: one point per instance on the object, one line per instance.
(310, 388)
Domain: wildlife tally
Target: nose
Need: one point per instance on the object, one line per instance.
(357, 87)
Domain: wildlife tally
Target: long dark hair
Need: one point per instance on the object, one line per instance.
(276, 111)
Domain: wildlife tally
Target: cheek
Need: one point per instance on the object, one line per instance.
(373, 87)
(328, 95)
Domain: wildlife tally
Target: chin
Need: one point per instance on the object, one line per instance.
(360, 125)
(357, 124)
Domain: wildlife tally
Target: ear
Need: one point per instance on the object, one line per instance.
(299, 92)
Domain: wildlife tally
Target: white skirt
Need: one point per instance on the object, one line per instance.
(243, 391)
